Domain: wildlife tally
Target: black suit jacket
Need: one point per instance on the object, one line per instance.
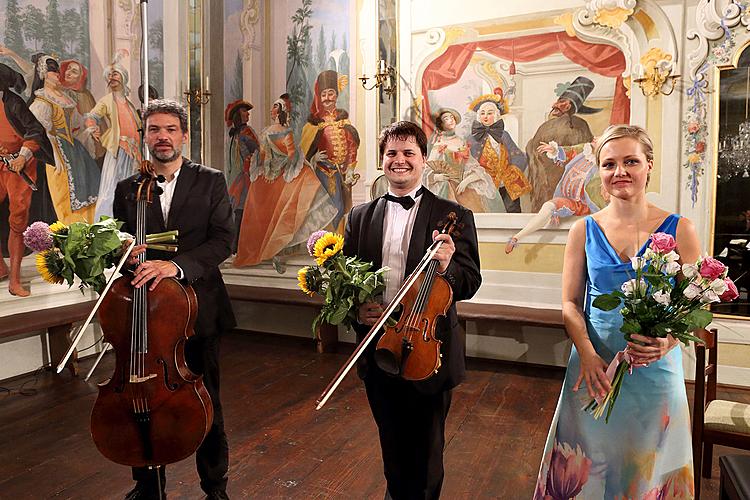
(364, 238)
(202, 213)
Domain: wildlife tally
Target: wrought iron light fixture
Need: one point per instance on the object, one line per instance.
(385, 78)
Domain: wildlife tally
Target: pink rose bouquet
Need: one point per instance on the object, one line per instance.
(656, 304)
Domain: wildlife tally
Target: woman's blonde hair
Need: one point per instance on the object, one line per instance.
(619, 131)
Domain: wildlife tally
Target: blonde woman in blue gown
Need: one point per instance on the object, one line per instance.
(644, 452)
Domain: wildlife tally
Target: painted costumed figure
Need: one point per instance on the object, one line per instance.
(579, 191)
(285, 201)
(329, 142)
(496, 152)
(566, 128)
(452, 173)
(22, 140)
(116, 114)
(74, 178)
(243, 144)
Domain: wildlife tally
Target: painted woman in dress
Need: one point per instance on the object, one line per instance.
(644, 451)
(74, 178)
(285, 201)
(452, 173)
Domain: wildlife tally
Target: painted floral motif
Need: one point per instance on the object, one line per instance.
(695, 126)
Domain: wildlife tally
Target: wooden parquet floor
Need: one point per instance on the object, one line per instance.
(280, 447)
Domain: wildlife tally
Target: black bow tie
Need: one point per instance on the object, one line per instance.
(405, 201)
(480, 130)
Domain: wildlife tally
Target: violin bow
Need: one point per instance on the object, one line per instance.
(428, 256)
(79, 335)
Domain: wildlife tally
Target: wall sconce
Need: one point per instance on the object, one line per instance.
(385, 78)
(656, 82)
(655, 73)
(197, 97)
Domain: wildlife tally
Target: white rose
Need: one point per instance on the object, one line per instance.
(692, 291)
(662, 297)
(672, 256)
(671, 268)
(637, 263)
(690, 271)
(709, 296)
(649, 254)
(631, 287)
(718, 286)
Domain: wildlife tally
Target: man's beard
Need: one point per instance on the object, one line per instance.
(163, 157)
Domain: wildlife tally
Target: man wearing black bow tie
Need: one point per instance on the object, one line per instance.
(395, 231)
(496, 151)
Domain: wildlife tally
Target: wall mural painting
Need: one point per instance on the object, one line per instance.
(44, 78)
(508, 138)
(298, 173)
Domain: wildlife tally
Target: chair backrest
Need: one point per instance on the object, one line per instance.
(705, 385)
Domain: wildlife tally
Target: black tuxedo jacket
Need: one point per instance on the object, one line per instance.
(202, 213)
(364, 238)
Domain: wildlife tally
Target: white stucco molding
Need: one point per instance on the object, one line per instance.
(248, 22)
(713, 20)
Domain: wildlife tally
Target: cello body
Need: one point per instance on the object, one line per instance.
(153, 410)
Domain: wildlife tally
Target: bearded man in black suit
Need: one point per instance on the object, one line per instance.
(396, 230)
(195, 202)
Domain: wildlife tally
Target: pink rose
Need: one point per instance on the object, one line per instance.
(662, 243)
(712, 268)
(731, 292)
(693, 127)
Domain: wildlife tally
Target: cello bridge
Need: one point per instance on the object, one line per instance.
(135, 379)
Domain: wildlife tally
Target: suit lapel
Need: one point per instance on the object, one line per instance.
(181, 192)
(420, 234)
(375, 231)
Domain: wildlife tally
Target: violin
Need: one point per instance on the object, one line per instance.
(153, 410)
(409, 348)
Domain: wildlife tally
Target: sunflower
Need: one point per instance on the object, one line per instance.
(49, 265)
(58, 228)
(327, 246)
(304, 284)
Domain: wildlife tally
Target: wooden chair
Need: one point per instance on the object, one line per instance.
(715, 421)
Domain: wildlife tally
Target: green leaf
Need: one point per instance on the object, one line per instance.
(606, 302)
(630, 326)
(698, 318)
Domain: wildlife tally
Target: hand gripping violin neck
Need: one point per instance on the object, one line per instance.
(409, 349)
(153, 410)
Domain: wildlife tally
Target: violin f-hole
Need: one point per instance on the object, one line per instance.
(171, 386)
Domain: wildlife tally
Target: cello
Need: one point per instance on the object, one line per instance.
(153, 410)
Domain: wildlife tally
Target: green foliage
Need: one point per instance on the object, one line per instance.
(86, 250)
(345, 283)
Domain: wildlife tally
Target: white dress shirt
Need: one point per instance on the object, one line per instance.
(165, 199)
(398, 224)
(167, 193)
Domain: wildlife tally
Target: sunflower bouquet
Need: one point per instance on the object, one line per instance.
(81, 250)
(344, 282)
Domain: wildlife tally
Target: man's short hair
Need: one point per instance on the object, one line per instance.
(403, 130)
(168, 107)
